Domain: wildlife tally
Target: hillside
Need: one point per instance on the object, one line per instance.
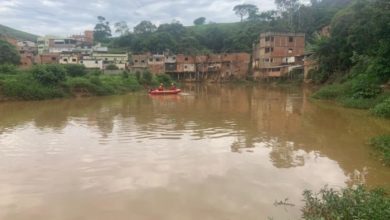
(227, 37)
(20, 35)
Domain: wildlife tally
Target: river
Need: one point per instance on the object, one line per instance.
(213, 152)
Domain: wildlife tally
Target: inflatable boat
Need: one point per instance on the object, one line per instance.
(164, 92)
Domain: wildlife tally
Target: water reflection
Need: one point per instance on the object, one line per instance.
(219, 151)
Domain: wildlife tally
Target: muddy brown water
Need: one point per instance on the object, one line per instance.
(213, 152)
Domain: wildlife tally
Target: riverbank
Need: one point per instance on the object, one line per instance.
(63, 81)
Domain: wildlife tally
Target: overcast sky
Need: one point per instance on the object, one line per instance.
(68, 17)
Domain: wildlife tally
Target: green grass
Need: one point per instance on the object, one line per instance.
(361, 92)
(330, 92)
(382, 109)
(20, 35)
(347, 204)
(23, 85)
(382, 145)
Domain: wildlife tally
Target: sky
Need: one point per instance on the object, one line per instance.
(67, 17)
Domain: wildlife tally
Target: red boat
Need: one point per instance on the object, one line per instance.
(164, 92)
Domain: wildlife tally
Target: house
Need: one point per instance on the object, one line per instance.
(43, 44)
(139, 62)
(91, 63)
(170, 64)
(69, 58)
(235, 65)
(185, 64)
(62, 45)
(118, 59)
(84, 39)
(156, 63)
(276, 54)
(48, 58)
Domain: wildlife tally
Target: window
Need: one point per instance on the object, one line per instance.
(266, 38)
(275, 69)
(136, 61)
(96, 62)
(105, 59)
(81, 61)
(185, 67)
(65, 60)
(266, 60)
(272, 60)
(290, 50)
(142, 61)
(290, 39)
(74, 60)
(272, 39)
(53, 58)
(186, 59)
(158, 59)
(150, 59)
(269, 49)
(228, 64)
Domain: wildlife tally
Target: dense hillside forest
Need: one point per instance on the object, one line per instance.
(355, 59)
(291, 15)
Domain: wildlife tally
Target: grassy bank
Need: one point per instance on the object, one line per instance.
(382, 146)
(362, 92)
(349, 203)
(59, 81)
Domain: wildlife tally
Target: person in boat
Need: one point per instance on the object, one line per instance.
(173, 86)
(161, 87)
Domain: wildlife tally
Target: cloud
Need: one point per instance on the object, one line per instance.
(68, 17)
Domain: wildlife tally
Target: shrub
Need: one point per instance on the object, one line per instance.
(80, 83)
(95, 72)
(365, 86)
(49, 74)
(74, 70)
(147, 77)
(24, 87)
(138, 75)
(164, 79)
(8, 69)
(358, 103)
(382, 109)
(382, 145)
(125, 74)
(111, 67)
(317, 76)
(131, 83)
(349, 203)
(329, 92)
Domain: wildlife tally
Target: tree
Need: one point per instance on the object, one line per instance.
(102, 29)
(288, 8)
(121, 28)
(8, 53)
(176, 29)
(245, 10)
(287, 5)
(145, 27)
(200, 21)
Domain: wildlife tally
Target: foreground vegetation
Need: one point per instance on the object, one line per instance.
(382, 145)
(58, 81)
(347, 204)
